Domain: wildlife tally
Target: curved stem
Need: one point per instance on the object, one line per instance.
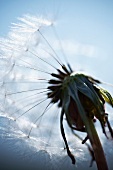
(64, 138)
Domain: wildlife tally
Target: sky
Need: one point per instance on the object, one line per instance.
(81, 22)
(85, 29)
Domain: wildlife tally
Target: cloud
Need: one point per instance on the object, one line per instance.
(76, 48)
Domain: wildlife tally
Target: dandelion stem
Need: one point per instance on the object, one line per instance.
(91, 132)
(96, 145)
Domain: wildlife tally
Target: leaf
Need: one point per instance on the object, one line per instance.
(86, 88)
(93, 80)
(66, 102)
(107, 96)
(74, 94)
(65, 98)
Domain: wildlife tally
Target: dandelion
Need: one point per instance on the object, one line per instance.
(35, 81)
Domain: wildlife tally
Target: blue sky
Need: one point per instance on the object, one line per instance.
(86, 22)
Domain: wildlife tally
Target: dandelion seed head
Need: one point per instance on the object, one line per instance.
(30, 24)
(24, 123)
(24, 48)
(23, 36)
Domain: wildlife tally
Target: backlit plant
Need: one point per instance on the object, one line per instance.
(80, 98)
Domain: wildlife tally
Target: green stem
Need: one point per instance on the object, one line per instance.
(96, 145)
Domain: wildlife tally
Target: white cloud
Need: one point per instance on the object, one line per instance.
(76, 48)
